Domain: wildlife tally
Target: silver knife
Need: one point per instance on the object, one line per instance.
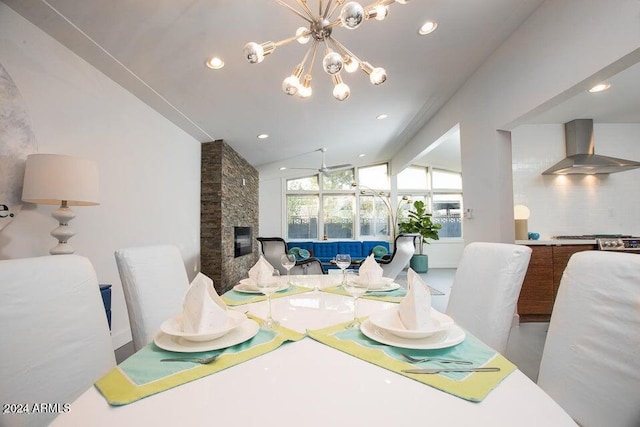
(439, 370)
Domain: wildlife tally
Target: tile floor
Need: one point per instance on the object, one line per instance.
(525, 342)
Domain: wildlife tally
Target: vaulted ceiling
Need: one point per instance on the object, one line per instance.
(157, 50)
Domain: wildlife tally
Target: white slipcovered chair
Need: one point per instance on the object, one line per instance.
(154, 281)
(486, 288)
(55, 340)
(591, 359)
(403, 249)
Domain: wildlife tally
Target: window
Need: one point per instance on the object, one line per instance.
(338, 216)
(444, 196)
(339, 206)
(302, 216)
(374, 216)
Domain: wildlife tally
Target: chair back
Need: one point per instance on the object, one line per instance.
(591, 359)
(308, 266)
(403, 249)
(486, 288)
(154, 281)
(54, 333)
(273, 248)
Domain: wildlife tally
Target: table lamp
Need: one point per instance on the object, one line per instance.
(521, 214)
(52, 179)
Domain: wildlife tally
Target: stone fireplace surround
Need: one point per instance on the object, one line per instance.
(228, 199)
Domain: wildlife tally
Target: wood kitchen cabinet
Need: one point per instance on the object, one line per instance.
(543, 276)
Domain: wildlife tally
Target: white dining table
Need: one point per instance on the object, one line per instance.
(307, 383)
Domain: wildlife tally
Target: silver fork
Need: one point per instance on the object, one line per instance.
(203, 361)
(434, 359)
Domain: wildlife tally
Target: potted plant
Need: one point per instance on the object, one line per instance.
(419, 221)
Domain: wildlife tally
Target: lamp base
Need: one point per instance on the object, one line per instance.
(522, 229)
(62, 232)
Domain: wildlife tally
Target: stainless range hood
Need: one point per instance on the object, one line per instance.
(581, 158)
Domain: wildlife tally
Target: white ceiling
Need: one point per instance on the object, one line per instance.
(157, 48)
(618, 104)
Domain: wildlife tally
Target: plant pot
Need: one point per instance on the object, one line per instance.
(419, 263)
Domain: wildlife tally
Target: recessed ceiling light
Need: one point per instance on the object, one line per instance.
(382, 116)
(214, 63)
(427, 28)
(362, 155)
(600, 87)
(283, 168)
(263, 136)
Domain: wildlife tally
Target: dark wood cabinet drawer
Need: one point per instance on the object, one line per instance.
(542, 280)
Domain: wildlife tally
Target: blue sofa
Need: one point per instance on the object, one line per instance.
(326, 250)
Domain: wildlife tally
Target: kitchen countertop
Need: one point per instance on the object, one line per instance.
(556, 242)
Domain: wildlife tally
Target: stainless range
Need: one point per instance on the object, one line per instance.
(620, 244)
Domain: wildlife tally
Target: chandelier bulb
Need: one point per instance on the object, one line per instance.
(332, 63)
(350, 64)
(402, 1)
(304, 90)
(378, 76)
(340, 90)
(352, 15)
(304, 35)
(254, 53)
(290, 85)
(379, 12)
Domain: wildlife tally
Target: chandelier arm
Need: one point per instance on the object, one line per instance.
(326, 10)
(344, 49)
(282, 3)
(306, 56)
(336, 23)
(313, 57)
(337, 5)
(305, 7)
(287, 40)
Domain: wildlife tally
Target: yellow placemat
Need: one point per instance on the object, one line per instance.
(473, 386)
(143, 374)
(233, 298)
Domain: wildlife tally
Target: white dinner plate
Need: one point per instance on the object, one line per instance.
(247, 330)
(447, 338)
(174, 327)
(383, 285)
(247, 287)
(386, 287)
(389, 321)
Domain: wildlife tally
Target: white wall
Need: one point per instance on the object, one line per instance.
(576, 204)
(562, 44)
(270, 202)
(149, 169)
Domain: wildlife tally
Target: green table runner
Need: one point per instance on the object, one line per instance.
(387, 296)
(233, 298)
(472, 386)
(143, 374)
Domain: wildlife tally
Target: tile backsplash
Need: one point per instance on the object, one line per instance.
(576, 204)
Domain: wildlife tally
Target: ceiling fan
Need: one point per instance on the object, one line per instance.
(324, 169)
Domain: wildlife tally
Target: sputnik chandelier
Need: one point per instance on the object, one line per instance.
(336, 56)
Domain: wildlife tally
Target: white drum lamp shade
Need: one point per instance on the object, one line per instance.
(52, 179)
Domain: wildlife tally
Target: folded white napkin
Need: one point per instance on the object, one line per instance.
(261, 271)
(415, 307)
(370, 271)
(203, 310)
